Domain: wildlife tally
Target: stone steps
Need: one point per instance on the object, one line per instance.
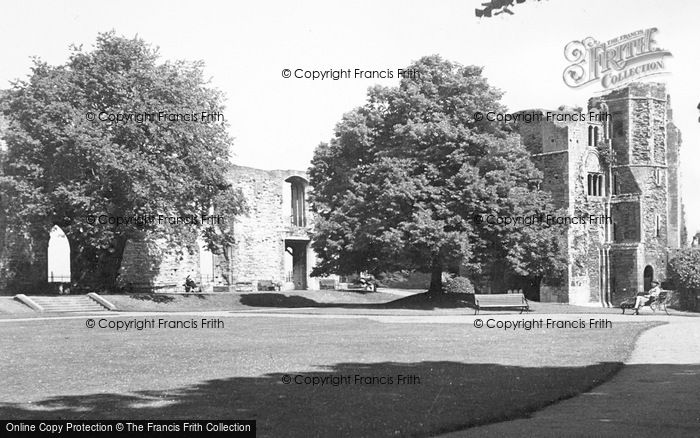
(74, 303)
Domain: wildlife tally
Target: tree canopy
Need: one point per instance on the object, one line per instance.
(112, 133)
(410, 179)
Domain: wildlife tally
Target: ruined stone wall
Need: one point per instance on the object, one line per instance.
(150, 264)
(675, 215)
(555, 170)
(542, 136)
(548, 144)
(586, 240)
(649, 123)
(625, 274)
(530, 136)
(259, 248)
(587, 243)
(654, 213)
(561, 151)
(618, 107)
(640, 206)
(555, 293)
(258, 252)
(566, 155)
(626, 220)
(642, 183)
(260, 235)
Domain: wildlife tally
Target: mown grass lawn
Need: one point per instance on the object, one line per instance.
(320, 301)
(314, 301)
(246, 300)
(62, 369)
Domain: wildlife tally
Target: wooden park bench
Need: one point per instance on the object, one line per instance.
(654, 304)
(268, 285)
(367, 285)
(502, 301)
(244, 286)
(327, 283)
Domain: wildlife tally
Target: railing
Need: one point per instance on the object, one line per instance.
(59, 278)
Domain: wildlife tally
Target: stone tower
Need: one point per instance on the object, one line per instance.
(644, 188)
(564, 146)
(619, 166)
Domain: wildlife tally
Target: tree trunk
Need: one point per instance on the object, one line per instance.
(95, 270)
(83, 265)
(111, 262)
(435, 278)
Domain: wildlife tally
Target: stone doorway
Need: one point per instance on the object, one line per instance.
(297, 271)
(648, 277)
(58, 260)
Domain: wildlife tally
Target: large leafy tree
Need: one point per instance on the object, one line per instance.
(66, 167)
(411, 179)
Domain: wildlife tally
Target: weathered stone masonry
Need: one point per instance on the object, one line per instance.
(636, 183)
(566, 154)
(271, 242)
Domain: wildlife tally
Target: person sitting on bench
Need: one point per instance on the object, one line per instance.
(190, 285)
(644, 299)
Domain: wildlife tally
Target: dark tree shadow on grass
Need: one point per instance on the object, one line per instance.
(165, 298)
(355, 291)
(440, 397)
(422, 301)
(156, 298)
(278, 300)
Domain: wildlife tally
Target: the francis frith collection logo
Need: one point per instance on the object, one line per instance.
(616, 62)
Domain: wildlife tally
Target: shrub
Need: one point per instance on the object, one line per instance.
(684, 269)
(459, 285)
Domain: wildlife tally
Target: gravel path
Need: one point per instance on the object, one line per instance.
(657, 393)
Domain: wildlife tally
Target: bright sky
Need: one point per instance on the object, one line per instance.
(277, 122)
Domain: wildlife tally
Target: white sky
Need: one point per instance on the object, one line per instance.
(277, 122)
